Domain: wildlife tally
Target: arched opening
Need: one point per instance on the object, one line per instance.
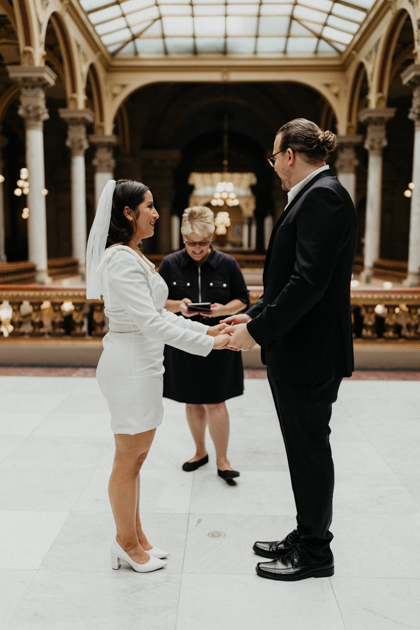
(398, 155)
(177, 129)
(57, 180)
(12, 148)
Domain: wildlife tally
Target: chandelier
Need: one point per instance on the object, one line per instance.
(225, 194)
(222, 222)
(23, 189)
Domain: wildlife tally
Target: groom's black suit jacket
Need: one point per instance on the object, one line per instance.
(303, 320)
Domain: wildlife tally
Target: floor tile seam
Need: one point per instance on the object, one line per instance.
(179, 595)
(21, 599)
(47, 416)
(417, 501)
(84, 488)
(53, 541)
(381, 577)
(331, 581)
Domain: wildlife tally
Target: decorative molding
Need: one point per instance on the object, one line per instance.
(77, 119)
(376, 120)
(103, 161)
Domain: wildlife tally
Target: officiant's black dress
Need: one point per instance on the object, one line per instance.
(219, 376)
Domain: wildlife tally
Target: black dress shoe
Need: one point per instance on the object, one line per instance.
(190, 466)
(296, 565)
(228, 474)
(277, 548)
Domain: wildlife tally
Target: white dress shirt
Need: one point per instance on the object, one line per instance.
(296, 189)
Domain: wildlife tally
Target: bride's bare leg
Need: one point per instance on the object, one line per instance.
(140, 533)
(130, 453)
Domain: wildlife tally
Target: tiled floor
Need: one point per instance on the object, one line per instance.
(56, 524)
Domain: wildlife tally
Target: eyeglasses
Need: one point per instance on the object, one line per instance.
(200, 243)
(272, 159)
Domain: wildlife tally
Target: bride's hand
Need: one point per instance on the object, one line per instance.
(221, 341)
(213, 331)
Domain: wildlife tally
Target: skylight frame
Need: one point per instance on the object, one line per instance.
(329, 28)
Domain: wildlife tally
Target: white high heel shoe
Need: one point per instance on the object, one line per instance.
(118, 554)
(157, 553)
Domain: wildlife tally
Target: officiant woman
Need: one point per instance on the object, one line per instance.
(199, 273)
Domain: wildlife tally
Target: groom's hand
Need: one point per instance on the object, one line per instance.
(240, 338)
(242, 318)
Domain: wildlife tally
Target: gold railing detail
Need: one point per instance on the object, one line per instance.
(388, 315)
(50, 311)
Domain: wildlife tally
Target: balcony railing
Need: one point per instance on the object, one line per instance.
(64, 312)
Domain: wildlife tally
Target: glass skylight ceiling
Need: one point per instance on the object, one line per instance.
(189, 27)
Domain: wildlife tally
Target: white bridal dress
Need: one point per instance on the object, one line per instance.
(130, 370)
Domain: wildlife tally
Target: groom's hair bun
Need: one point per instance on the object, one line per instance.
(127, 193)
(305, 137)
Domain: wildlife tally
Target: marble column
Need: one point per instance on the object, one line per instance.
(175, 232)
(375, 142)
(77, 119)
(245, 234)
(33, 80)
(3, 257)
(347, 162)
(103, 161)
(268, 228)
(411, 77)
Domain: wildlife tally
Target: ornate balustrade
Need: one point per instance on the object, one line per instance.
(387, 314)
(64, 312)
(50, 311)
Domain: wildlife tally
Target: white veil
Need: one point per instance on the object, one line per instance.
(97, 241)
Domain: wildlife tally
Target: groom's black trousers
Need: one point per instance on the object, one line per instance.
(304, 412)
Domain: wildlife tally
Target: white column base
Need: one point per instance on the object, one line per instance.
(42, 277)
(366, 275)
(412, 280)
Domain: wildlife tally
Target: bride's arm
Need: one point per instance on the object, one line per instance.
(128, 283)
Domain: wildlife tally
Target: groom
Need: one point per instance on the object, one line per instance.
(303, 325)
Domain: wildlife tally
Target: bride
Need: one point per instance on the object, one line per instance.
(130, 370)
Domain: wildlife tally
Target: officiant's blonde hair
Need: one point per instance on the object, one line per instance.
(198, 219)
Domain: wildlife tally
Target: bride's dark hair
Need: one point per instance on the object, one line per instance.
(127, 193)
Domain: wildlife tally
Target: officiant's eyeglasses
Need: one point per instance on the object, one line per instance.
(200, 243)
(272, 159)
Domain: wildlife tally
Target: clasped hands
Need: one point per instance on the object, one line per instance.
(232, 333)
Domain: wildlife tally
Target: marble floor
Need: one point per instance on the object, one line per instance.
(55, 521)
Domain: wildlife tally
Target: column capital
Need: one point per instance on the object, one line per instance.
(99, 139)
(32, 81)
(411, 77)
(376, 120)
(349, 140)
(77, 119)
(346, 161)
(103, 161)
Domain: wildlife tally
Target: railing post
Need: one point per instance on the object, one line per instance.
(78, 317)
(98, 320)
(369, 323)
(36, 320)
(412, 323)
(57, 320)
(391, 323)
(16, 319)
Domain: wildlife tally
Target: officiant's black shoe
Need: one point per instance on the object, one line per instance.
(277, 548)
(296, 565)
(190, 466)
(227, 475)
